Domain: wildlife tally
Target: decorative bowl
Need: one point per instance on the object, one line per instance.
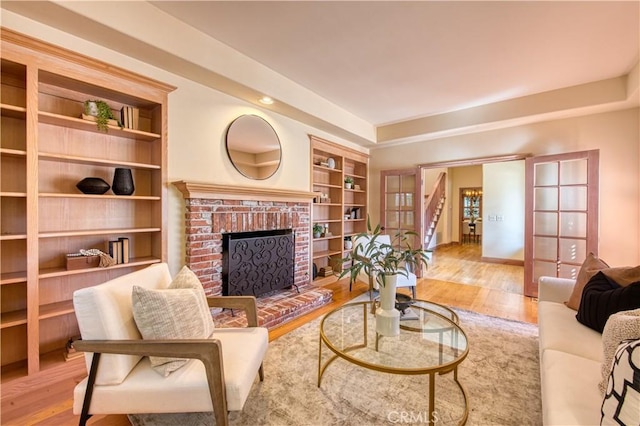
(93, 185)
(403, 302)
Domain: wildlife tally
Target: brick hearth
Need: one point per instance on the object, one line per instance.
(212, 210)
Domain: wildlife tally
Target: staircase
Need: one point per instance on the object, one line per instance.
(434, 207)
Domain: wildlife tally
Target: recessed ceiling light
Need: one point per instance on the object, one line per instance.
(265, 100)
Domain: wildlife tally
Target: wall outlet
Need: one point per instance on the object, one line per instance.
(492, 218)
(499, 218)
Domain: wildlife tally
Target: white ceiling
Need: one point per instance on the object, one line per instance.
(388, 62)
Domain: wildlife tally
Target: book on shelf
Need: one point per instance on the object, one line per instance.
(125, 252)
(115, 251)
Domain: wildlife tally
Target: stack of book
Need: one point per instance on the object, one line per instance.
(119, 250)
(70, 353)
(130, 117)
(326, 271)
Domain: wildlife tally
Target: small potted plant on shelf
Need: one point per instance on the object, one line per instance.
(102, 113)
(384, 258)
(348, 182)
(317, 230)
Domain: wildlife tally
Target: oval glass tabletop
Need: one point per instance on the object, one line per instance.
(430, 342)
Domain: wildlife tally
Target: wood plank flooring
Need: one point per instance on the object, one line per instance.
(50, 404)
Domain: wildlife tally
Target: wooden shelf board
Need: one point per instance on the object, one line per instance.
(355, 190)
(8, 237)
(326, 169)
(353, 175)
(354, 205)
(13, 277)
(94, 161)
(13, 152)
(90, 126)
(326, 185)
(57, 309)
(100, 196)
(13, 111)
(97, 232)
(325, 253)
(326, 220)
(13, 194)
(354, 220)
(58, 272)
(13, 318)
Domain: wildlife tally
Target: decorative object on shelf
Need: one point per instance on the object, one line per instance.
(93, 185)
(88, 259)
(348, 244)
(355, 213)
(122, 182)
(384, 262)
(314, 273)
(101, 113)
(317, 230)
(348, 182)
(357, 187)
(331, 163)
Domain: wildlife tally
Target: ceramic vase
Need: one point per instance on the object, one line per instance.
(387, 316)
(122, 182)
(93, 185)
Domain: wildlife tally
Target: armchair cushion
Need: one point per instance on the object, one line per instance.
(171, 314)
(104, 312)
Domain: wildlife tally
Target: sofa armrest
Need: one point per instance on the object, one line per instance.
(246, 303)
(552, 289)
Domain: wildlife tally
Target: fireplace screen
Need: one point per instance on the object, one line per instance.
(254, 263)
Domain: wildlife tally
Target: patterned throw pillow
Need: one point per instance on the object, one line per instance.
(179, 312)
(621, 405)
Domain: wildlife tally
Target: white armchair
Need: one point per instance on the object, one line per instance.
(217, 376)
(410, 280)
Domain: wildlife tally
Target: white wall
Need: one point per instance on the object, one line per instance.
(615, 134)
(503, 210)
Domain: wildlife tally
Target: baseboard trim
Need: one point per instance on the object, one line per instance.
(502, 261)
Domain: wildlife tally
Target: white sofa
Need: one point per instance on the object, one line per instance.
(570, 359)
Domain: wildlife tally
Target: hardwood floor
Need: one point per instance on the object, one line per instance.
(50, 404)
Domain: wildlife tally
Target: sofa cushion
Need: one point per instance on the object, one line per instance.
(622, 275)
(179, 312)
(145, 391)
(560, 331)
(104, 312)
(621, 405)
(570, 394)
(620, 326)
(602, 297)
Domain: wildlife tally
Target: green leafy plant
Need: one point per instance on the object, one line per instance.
(317, 228)
(103, 115)
(379, 259)
(348, 179)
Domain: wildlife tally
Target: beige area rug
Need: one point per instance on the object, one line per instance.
(500, 375)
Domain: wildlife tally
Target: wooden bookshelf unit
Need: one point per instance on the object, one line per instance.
(46, 149)
(342, 211)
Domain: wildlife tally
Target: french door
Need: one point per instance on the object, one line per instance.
(561, 224)
(401, 203)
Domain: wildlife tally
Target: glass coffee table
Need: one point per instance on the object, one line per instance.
(430, 342)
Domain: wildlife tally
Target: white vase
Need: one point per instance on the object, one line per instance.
(387, 316)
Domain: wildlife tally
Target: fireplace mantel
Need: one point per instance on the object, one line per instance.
(229, 192)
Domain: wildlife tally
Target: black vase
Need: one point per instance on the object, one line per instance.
(93, 185)
(122, 182)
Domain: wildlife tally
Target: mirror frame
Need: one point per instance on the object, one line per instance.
(249, 164)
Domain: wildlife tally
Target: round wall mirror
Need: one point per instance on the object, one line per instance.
(253, 147)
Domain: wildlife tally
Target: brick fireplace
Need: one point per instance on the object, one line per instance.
(213, 210)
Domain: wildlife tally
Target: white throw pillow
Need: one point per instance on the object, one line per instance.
(179, 312)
